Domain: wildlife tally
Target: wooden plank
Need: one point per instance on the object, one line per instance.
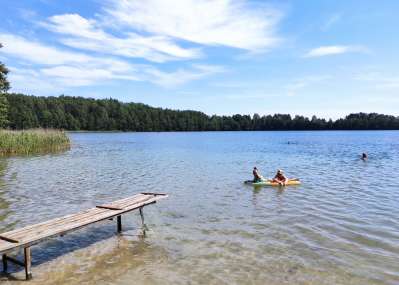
(77, 219)
(95, 218)
(61, 219)
(49, 230)
(68, 227)
(155, 194)
(7, 246)
(51, 223)
(126, 200)
(58, 221)
(109, 207)
(44, 226)
(137, 199)
(3, 237)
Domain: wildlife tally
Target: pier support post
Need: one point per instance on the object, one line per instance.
(27, 263)
(142, 216)
(5, 264)
(142, 221)
(119, 222)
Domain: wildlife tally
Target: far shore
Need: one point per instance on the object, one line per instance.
(120, 131)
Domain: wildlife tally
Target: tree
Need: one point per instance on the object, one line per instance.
(4, 86)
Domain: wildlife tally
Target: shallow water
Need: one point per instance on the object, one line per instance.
(339, 227)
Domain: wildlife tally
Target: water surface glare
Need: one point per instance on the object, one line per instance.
(339, 227)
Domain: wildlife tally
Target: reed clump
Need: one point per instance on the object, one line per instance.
(33, 141)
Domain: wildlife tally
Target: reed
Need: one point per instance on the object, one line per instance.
(32, 141)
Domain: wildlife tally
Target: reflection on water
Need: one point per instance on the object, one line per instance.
(339, 227)
(4, 204)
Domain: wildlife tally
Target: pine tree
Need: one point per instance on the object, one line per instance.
(4, 86)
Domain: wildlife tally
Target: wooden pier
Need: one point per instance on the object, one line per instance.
(31, 235)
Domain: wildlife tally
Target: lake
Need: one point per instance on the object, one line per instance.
(339, 227)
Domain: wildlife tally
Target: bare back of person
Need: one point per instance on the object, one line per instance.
(280, 178)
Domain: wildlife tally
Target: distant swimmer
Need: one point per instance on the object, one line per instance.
(364, 156)
(257, 176)
(280, 178)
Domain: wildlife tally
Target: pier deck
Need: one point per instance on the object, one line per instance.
(30, 235)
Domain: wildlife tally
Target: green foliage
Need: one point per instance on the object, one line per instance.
(4, 86)
(32, 141)
(3, 110)
(77, 113)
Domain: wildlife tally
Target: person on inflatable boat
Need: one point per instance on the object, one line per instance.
(257, 176)
(280, 178)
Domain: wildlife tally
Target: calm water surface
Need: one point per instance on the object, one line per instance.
(339, 227)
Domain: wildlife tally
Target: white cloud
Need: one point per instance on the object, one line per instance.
(65, 68)
(154, 30)
(87, 34)
(57, 78)
(333, 50)
(38, 53)
(237, 23)
(82, 76)
(182, 75)
(59, 69)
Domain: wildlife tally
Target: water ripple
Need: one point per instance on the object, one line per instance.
(339, 227)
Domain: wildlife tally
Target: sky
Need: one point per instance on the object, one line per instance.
(309, 57)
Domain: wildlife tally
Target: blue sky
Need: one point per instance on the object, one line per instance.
(327, 58)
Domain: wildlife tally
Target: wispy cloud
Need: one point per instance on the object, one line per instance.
(237, 24)
(134, 40)
(50, 67)
(379, 80)
(153, 30)
(28, 81)
(35, 52)
(298, 84)
(83, 76)
(181, 76)
(87, 34)
(334, 50)
(332, 20)
(68, 68)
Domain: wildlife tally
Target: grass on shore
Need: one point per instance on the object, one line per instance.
(32, 141)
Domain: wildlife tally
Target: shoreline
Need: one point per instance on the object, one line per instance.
(120, 131)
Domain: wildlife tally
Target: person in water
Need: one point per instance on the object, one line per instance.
(257, 176)
(364, 156)
(280, 178)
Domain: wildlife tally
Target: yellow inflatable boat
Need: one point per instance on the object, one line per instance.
(270, 183)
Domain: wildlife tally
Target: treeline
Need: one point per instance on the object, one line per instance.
(77, 113)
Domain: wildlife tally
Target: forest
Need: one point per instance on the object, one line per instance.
(78, 113)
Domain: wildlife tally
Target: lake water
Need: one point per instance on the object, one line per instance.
(339, 227)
